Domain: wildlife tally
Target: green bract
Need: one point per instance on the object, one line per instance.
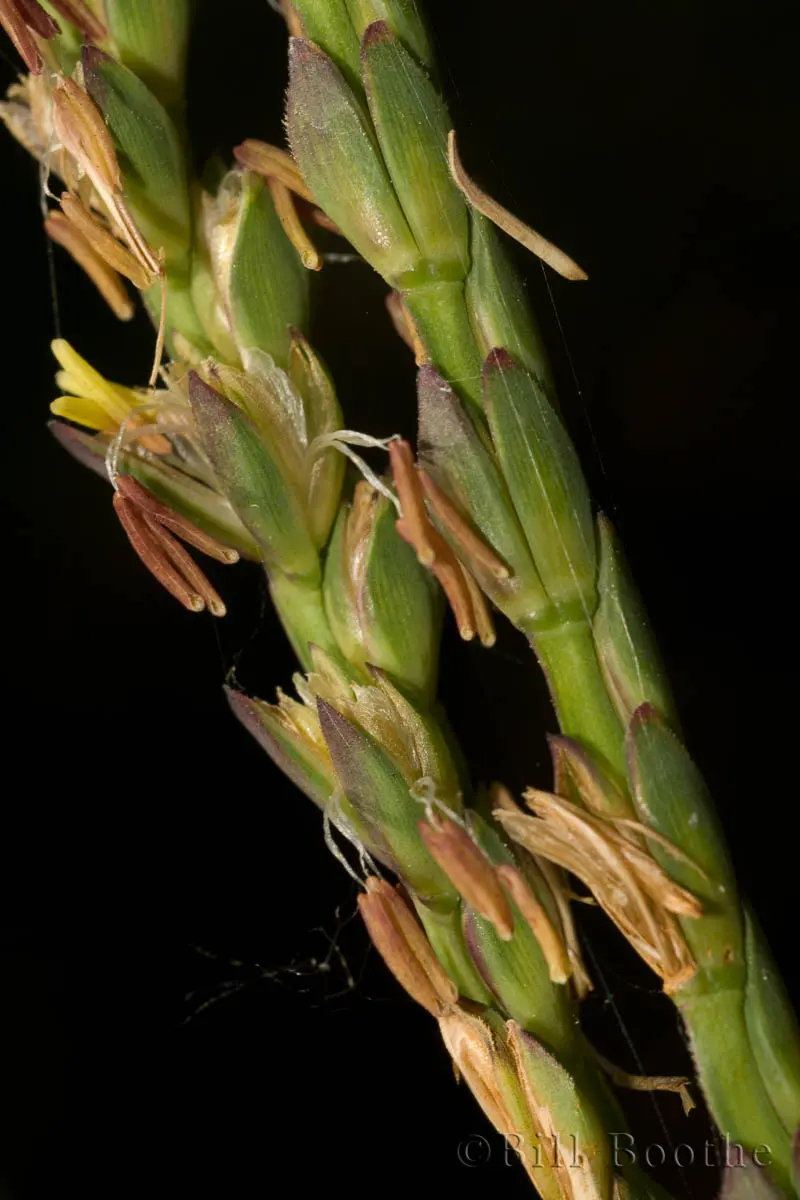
(150, 155)
(252, 478)
(267, 283)
(411, 122)
(151, 39)
(380, 602)
(546, 483)
(335, 147)
(626, 648)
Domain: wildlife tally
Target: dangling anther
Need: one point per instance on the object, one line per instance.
(147, 523)
(285, 182)
(505, 220)
(24, 21)
(463, 594)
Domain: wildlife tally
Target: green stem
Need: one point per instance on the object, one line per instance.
(772, 1027)
(300, 606)
(567, 656)
(731, 1080)
(440, 315)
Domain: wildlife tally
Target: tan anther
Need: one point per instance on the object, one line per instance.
(471, 1045)
(506, 220)
(417, 529)
(292, 19)
(535, 914)
(463, 595)
(481, 613)
(81, 129)
(108, 283)
(470, 872)
(650, 1083)
(622, 876)
(403, 946)
(272, 163)
(471, 544)
(103, 242)
(293, 226)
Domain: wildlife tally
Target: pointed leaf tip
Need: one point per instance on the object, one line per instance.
(202, 394)
(498, 359)
(302, 52)
(375, 34)
(334, 726)
(92, 59)
(645, 714)
(245, 710)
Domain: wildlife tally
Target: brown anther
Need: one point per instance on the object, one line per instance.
(470, 872)
(417, 529)
(472, 545)
(82, 17)
(447, 571)
(22, 19)
(134, 491)
(82, 131)
(103, 242)
(505, 220)
(153, 556)
(464, 597)
(292, 225)
(484, 625)
(147, 523)
(108, 283)
(188, 568)
(403, 946)
(405, 327)
(535, 914)
(272, 163)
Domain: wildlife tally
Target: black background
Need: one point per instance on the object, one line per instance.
(655, 143)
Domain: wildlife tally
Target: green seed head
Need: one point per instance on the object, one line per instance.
(544, 477)
(458, 456)
(335, 147)
(255, 474)
(381, 603)
(412, 122)
(626, 649)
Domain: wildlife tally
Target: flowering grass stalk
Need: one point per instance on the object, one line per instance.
(629, 814)
(239, 452)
